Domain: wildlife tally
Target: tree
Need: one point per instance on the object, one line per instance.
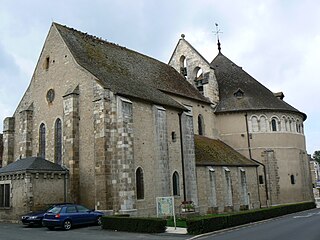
(316, 156)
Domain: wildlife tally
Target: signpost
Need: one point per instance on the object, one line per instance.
(165, 207)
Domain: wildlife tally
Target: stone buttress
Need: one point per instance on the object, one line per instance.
(71, 141)
(26, 127)
(8, 141)
(113, 149)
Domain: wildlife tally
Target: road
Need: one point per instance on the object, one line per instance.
(299, 226)
(18, 232)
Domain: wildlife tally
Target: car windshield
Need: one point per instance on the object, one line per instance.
(55, 210)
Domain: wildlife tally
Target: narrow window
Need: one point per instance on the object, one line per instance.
(183, 66)
(293, 180)
(263, 124)
(47, 62)
(261, 179)
(255, 124)
(173, 136)
(4, 195)
(200, 125)
(175, 184)
(274, 125)
(58, 142)
(139, 183)
(42, 140)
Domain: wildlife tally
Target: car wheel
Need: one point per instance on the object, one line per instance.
(99, 220)
(67, 225)
(50, 228)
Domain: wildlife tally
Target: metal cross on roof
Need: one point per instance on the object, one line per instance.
(217, 34)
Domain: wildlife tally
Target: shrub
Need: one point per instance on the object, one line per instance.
(213, 223)
(131, 224)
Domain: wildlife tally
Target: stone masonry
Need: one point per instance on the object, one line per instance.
(71, 140)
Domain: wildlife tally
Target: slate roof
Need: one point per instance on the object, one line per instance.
(31, 164)
(232, 78)
(213, 152)
(127, 72)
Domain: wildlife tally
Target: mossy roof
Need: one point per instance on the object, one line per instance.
(213, 152)
(232, 78)
(126, 72)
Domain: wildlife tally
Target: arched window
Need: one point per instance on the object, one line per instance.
(290, 125)
(139, 183)
(200, 125)
(183, 66)
(58, 142)
(287, 125)
(263, 124)
(283, 123)
(293, 127)
(175, 184)
(254, 122)
(198, 79)
(42, 140)
(274, 125)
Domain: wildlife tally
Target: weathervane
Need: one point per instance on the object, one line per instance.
(217, 34)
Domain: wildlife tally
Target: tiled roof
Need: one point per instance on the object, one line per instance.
(213, 152)
(127, 72)
(231, 78)
(31, 164)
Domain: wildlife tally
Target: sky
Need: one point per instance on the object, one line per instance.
(275, 41)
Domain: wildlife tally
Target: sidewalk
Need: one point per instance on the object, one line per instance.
(178, 230)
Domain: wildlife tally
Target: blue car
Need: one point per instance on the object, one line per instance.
(69, 215)
(35, 218)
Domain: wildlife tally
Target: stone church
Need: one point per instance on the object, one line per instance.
(113, 129)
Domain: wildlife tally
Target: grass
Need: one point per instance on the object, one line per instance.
(179, 221)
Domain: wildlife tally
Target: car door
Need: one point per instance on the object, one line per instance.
(86, 216)
(72, 213)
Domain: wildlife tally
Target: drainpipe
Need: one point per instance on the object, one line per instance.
(263, 166)
(182, 156)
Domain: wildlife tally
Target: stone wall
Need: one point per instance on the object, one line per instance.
(8, 141)
(280, 151)
(212, 195)
(32, 192)
(194, 62)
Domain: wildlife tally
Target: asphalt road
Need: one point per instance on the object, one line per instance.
(19, 232)
(299, 226)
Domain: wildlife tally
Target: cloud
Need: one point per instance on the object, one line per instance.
(274, 41)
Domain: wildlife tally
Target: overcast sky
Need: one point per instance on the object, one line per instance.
(276, 42)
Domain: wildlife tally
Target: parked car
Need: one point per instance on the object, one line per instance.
(35, 218)
(68, 215)
(317, 201)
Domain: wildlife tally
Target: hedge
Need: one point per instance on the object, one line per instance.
(205, 224)
(132, 224)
